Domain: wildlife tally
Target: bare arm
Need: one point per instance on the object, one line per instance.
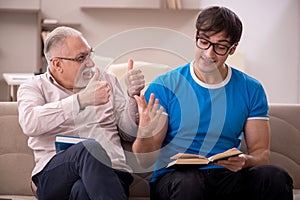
(152, 131)
(257, 137)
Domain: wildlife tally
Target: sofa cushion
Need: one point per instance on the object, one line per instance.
(149, 70)
(16, 181)
(297, 194)
(16, 157)
(15, 197)
(285, 131)
(139, 189)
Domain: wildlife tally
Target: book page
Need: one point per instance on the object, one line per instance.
(189, 161)
(186, 156)
(225, 154)
(194, 159)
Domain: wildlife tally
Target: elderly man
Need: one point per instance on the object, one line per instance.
(77, 99)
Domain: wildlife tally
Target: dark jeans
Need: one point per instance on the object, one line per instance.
(83, 172)
(256, 183)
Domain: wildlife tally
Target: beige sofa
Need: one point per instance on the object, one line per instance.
(16, 159)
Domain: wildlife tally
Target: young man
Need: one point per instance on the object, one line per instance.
(210, 105)
(74, 98)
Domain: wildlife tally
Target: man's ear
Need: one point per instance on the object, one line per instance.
(56, 63)
(232, 50)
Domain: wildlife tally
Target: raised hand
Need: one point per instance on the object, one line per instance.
(149, 114)
(134, 80)
(152, 130)
(96, 92)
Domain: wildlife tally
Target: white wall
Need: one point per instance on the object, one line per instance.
(17, 38)
(18, 45)
(271, 44)
(270, 41)
(100, 24)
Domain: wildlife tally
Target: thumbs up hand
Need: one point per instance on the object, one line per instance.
(96, 92)
(134, 80)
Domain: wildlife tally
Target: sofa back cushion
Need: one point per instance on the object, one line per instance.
(285, 138)
(16, 157)
(149, 70)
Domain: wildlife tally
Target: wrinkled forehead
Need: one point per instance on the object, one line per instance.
(75, 45)
(76, 42)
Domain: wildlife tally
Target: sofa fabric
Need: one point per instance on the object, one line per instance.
(16, 159)
(285, 140)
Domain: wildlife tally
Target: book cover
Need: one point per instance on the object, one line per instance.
(63, 142)
(193, 159)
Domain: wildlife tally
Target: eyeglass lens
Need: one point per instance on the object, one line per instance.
(205, 44)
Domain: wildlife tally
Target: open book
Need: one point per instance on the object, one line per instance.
(193, 159)
(63, 142)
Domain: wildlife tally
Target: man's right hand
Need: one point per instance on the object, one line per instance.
(96, 92)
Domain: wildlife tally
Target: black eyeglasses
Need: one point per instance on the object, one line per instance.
(205, 44)
(81, 58)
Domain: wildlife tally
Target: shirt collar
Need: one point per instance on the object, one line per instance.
(210, 86)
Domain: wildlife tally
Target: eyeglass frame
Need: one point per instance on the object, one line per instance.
(212, 44)
(77, 59)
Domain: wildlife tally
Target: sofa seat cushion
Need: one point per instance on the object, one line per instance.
(140, 185)
(16, 158)
(16, 197)
(16, 181)
(296, 194)
(283, 146)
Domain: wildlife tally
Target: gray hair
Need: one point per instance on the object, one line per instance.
(56, 38)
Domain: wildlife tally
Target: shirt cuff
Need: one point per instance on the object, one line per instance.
(70, 105)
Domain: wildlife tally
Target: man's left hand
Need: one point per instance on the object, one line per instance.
(234, 163)
(134, 80)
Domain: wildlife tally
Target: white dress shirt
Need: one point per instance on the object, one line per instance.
(47, 109)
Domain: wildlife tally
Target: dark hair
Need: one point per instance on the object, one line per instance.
(218, 19)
